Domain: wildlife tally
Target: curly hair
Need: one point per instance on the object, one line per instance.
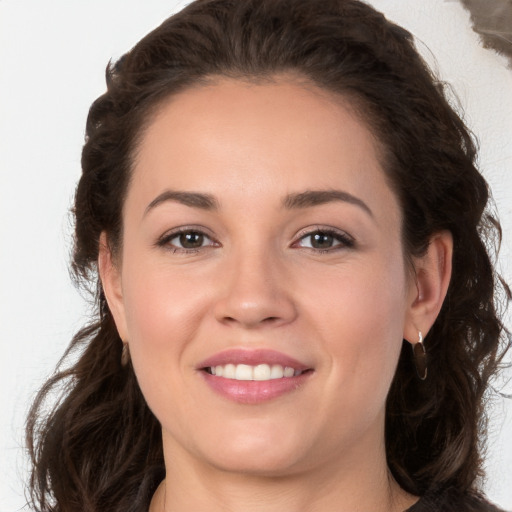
(99, 448)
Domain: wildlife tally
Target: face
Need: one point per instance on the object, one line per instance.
(262, 285)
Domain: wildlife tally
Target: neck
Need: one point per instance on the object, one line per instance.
(357, 485)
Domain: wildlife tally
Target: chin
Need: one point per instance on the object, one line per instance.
(266, 453)
(264, 465)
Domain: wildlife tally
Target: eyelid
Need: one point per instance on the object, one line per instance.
(164, 240)
(347, 240)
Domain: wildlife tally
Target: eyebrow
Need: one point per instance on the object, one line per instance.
(193, 199)
(305, 199)
(317, 197)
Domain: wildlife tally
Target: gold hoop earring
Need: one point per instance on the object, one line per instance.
(420, 357)
(125, 355)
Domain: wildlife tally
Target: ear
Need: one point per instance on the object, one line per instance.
(429, 285)
(110, 276)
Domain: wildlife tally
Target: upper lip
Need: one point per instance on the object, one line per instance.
(252, 357)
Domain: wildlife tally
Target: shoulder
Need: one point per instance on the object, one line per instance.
(452, 500)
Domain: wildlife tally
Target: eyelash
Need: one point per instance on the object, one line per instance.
(165, 240)
(345, 240)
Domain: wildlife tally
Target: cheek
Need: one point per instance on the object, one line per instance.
(162, 308)
(359, 315)
(163, 314)
(359, 322)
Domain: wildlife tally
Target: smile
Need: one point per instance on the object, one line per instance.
(260, 372)
(254, 376)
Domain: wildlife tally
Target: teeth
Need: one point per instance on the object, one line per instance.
(289, 372)
(243, 372)
(259, 372)
(229, 371)
(276, 372)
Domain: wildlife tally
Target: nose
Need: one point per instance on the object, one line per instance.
(256, 293)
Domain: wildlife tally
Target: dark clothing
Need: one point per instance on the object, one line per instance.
(452, 501)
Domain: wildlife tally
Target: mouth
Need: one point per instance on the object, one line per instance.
(260, 372)
(255, 376)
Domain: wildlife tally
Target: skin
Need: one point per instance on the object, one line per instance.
(257, 282)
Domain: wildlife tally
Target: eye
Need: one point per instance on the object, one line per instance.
(324, 240)
(186, 240)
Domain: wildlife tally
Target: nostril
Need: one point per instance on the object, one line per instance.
(263, 310)
(267, 319)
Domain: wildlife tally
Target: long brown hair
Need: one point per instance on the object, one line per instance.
(99, 447)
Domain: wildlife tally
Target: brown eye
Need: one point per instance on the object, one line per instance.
(191, 240)
(187, 241)
(324, 241)
(321, 240)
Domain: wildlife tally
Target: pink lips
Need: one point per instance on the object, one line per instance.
(251, 391)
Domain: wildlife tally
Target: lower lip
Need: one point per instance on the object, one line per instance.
(254, 391)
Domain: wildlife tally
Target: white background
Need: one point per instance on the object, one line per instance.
(52, 59)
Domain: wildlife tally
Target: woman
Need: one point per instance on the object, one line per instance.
(277, 203)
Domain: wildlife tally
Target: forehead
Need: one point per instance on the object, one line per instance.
(282, 136)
